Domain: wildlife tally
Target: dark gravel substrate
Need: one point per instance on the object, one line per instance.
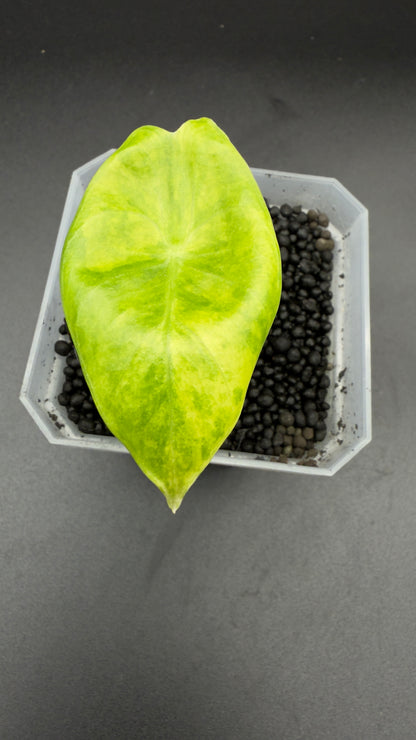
(285, 408)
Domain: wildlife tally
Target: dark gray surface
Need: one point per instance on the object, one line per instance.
(269, 606)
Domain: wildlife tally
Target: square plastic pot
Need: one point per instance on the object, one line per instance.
(349, 395)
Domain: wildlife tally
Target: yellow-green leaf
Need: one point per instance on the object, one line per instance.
(170, 280)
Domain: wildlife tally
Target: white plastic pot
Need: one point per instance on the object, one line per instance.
(349, 395)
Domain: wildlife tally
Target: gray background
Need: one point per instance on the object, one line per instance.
(269, 606)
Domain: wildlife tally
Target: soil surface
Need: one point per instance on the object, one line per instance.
(285, 409)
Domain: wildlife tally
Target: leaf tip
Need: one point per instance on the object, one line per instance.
(174, 501)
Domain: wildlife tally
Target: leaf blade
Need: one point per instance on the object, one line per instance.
(170, 280)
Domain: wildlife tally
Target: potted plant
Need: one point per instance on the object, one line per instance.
(170, 280)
